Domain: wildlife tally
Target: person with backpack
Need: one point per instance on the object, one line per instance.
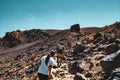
(60, 55)
(46, 63)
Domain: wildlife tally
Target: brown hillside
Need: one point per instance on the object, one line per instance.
(12, 39)
(97, 62)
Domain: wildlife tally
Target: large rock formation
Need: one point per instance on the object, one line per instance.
(110, 62)
(74, 68)
(15, 38)
(75, 28)
(26, 62)
(10, 40)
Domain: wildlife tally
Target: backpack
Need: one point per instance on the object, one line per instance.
(60, 48)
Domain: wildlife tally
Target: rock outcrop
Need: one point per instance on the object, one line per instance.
(101, 61)
(110, 62)
(12, 39)
(75, 28)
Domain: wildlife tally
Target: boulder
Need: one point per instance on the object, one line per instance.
(86, 65)
(115, 74)
(89, 74)
(12, 39)
(79, 76)
(79, 48)
(111, 48)
(97, 35)
(110, 62)
(75, 28)
(18, 57)
(41, 49)
(74, 68)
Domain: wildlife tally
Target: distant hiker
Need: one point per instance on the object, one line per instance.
(78, 49)
(46, 63)
(60, 54)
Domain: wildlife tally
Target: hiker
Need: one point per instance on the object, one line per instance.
(60, 55)
(46, 63)
(78, 48)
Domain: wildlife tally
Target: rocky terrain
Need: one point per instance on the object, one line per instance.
(20, 53)
(12, 39)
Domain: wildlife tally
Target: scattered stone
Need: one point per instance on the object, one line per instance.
(111, 40)
(79, 76)
(74, 68)
(25, 62)
(86, 65)
(111, 48)
(18, 57)
(41, 49)
(89, 74)
(79, 48)
(97, 35)
(108, 61)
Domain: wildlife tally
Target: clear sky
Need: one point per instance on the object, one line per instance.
(56, 14)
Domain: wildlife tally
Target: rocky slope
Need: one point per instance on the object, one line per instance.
(12, 39)
(99, 61)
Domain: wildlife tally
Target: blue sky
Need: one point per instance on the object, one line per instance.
(56, 14)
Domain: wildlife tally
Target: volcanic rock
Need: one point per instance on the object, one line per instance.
(74, 68)
(23, 63)
(115, 75)
(111, 48)
(111, 40)
(110, 62)
(12, 39)
(79, 48)
(75, 28)
(97, 35)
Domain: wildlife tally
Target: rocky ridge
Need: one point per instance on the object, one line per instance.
(92, 64)
(12, 39)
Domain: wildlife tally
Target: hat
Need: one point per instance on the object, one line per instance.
(52, 52)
